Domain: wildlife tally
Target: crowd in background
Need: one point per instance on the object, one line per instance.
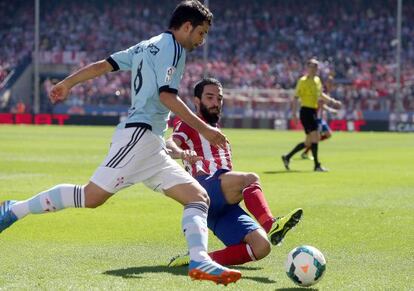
(260, 44)
(16, 34)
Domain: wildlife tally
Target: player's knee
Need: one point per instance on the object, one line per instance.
(261, 248)
(202, 196)
(252, 178)
(95, 196)
(205, 198)
(259, 243)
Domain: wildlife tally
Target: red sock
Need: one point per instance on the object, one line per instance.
(257, 205)
(323, 137)
(233, 255)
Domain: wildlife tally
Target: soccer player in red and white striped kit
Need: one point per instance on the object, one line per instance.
(212, 167)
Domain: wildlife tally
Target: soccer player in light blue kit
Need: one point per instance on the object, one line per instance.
(137, 152)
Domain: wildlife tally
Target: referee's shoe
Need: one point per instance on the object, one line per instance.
(286, 161)
(319, 168)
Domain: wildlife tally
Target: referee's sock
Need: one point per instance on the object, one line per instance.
(57, 198)
(314, 148)
(296, 149)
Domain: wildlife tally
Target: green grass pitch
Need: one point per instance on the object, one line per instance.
(360, 214)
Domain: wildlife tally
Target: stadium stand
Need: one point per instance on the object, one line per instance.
(252, 44)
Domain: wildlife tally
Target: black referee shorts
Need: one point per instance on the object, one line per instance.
(309, 119)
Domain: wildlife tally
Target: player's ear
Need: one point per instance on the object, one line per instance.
(196, 102)
(187, 26)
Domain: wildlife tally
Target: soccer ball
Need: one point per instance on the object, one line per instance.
(305, 265)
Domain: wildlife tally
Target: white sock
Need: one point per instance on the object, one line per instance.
(57, 198)
(195, 229)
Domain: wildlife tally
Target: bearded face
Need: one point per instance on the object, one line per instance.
(210, 104)
(210, 114)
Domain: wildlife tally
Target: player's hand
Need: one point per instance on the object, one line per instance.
(190, 156)
(215, 137)
(337, 104)
(59, 92)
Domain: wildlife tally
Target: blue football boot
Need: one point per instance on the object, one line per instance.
(7, 217)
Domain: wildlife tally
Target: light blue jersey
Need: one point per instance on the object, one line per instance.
(156, 65)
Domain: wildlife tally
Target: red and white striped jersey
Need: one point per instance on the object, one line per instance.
(214, 158)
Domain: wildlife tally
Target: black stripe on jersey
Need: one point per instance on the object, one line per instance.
(167, 88)
(140, 134)
(180, 53)
(114, 64)
(121, 150)
(179, 50)
(175, 53)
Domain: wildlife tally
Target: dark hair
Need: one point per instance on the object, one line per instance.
(199, 87)
(190, 10)
(313, 61)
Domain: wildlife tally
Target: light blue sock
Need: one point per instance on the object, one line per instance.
(195, 229)
(57, 198)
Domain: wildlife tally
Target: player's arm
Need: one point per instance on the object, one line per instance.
(176, 105)
(173, 147)
(331, 101)
(329, 109)
(169, 68)
(61, 90)
(176, 152)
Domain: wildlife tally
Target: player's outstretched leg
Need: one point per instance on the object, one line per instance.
(283, 224)
(7, 217)
(210, 270)
(57, 198)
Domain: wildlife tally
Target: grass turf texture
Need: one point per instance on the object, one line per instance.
(360, 214)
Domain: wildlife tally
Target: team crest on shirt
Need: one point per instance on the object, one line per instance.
(153, 49)
(169, 75)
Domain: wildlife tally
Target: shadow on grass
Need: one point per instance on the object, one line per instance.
(138, 272)
(245, 268)
(296, 289)
(286, 172)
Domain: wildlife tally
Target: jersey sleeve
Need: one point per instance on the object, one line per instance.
(181, 132)
(122, 60)
(169, 67)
